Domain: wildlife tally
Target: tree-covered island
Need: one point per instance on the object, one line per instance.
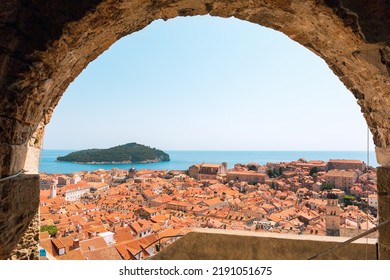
(127, 153)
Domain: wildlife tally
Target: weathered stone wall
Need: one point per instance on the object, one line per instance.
(19, 200)
(27, 248)
(44, 45)
(212, 244)
(384, 211)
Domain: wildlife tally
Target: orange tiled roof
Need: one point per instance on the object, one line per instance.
(92, 244)
(340, 173)
(57, 243)
(213, 165)
(123, 235)
(72, 255)
(44, 235)
(247, 173)
(48, 246)
(345, 161)
(122, 249)
(109, 253)
(141, 225)
(81, 185)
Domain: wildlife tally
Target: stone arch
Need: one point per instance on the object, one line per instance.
(46, 44)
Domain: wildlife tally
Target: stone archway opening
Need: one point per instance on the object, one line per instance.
(46, 46)
(203, 54)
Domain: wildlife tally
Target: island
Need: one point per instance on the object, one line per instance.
(127, 153)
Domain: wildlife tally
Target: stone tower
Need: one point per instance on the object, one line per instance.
(53, 191)
(132, 172)
(332, 215)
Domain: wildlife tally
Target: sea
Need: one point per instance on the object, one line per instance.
(181, 160)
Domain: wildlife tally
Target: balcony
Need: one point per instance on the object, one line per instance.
(213, 244)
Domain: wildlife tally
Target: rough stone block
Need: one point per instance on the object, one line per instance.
(12, 159)
(384, 252)
(210, 244)
(28, 246)
(383, 180)
(15, 132)
(19, 201)
(384, 215)
(32, 160)
(383, 156)
(384, 210)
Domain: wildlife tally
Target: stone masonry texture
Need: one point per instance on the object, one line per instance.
(19, 201)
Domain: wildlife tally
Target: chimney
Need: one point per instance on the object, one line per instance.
(76, 243)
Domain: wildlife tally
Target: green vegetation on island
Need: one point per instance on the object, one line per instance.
(128, 153)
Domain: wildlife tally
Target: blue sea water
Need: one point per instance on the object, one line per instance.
(181, 160)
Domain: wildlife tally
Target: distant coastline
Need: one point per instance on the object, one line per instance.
(113, 162)
(181, 160)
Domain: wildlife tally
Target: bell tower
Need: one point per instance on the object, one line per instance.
(53, 191)
(332, 215)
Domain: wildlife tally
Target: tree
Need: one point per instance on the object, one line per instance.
(327, 186)
(349, 199)
(271, 174)
(313, 171)
(51, 229)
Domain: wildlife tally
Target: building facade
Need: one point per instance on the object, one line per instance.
(344, 164)
(207, 171)
(341, 179)
(246, 176)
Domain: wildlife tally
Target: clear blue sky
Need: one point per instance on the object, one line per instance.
(206, 83)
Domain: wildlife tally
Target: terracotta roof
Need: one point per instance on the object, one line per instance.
(340, 173)
(98, 185)
(72, 255)
(109, 253)
(57, 243)
(148, 240)
(48, 246)
(213, 165)
(141, 225)
(345, 161)
(162, 218)
(247, 173)
(134, 247)
(179, 203)
(213, 201)
(44, 210)
(92, 244)
(122, 249)
(123, 234)
(79, 185)
(268, 206)
(44, 235)
(169, 232)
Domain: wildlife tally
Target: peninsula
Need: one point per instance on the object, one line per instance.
(127, 153)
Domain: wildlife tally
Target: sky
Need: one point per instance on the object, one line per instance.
(207, 83)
